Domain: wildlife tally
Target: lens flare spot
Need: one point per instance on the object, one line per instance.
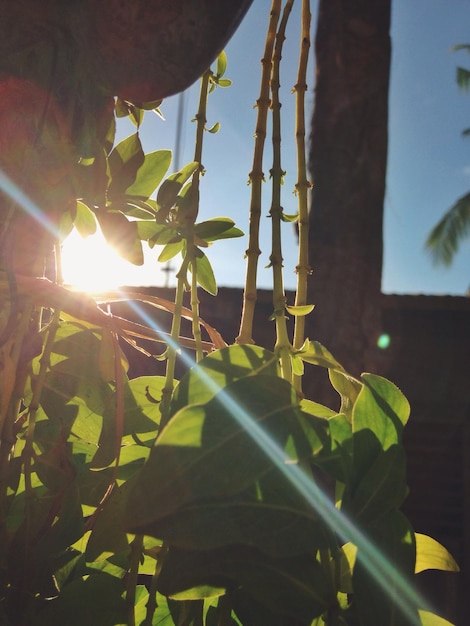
(384, 341)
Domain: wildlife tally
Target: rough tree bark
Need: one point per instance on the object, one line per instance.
(348, 157)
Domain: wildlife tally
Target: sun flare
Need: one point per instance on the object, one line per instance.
(92, 265)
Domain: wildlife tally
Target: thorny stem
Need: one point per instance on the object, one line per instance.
(283, 345)
(256, 179)
(303, 185)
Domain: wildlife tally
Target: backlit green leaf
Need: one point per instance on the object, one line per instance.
(217, 228)
(197, 455)
(150, 174)
(214, 128)
(85, 220)
(300, 311)
(431, 619)
(171, 186)
(313, 352)
(430, 554)
(205, 274)
(221, 64)
(219, 369)
(170, 251)
(124, 161)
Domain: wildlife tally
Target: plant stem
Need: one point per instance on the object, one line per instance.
(201, 121)
(303, 185)
(173, 343)
(195, 311)
(256, 179)
(283, 346)
(136, 546)
(189, 259)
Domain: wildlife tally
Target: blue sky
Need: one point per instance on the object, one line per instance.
(429, 161)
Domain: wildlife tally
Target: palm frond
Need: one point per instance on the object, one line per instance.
(463, 78)
(461, 46)
(446, 236)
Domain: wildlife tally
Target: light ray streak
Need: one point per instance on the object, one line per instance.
(19, 197)
(392, 582)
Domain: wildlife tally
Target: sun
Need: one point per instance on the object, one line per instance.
(90, 264)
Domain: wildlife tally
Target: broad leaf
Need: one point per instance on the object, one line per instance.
(199, 452)
(219, 369)
(294, 587)
(122, 235)
(217, 228)
(381, 490)
(170, 251)
(205, 274)
(170, 188)
(382, 576)
(379, 414)
(430, 619)
(313, 352)
(150, 174)
(85, 220)
(95, 600)
(430, 554)
(124, 162)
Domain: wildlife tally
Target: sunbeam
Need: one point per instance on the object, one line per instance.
(20, 198)
(392, 582)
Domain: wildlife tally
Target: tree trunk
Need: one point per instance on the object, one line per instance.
(348, 164)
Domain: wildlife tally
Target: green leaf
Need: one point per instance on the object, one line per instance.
(224, 82)
(108, 534)
(219, 369)
(205, 274)
(170, 188)
(146, 392)
(214, 128)
(170, 251)
(124, 162)
(430, 554)
(85, 220)
(348, 388)
(95, 600)
(197, 455)
(316, 409)
(380, 412)
(149, 229)
(383, 588)
(289, 218)
(217, 228)
(294, 587)
(132, 209)
(122, 235)
(300, 311)
(430, 619)
(313, 352)
(273, 517)
(337, 459)
(389, 397)
(221, 66)
(150, 174)
(381, 490)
